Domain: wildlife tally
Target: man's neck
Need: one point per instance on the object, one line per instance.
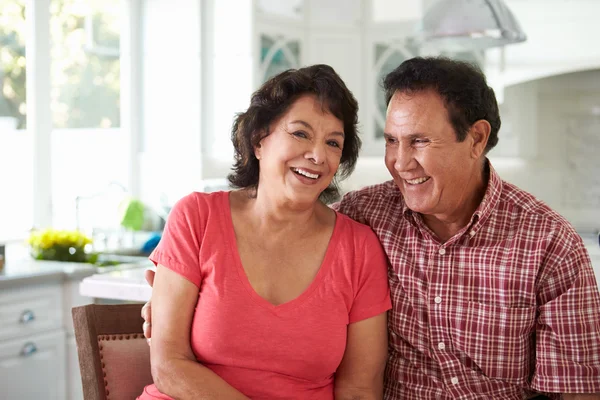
(446, 226)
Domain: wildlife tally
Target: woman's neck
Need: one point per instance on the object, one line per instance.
(275, 215)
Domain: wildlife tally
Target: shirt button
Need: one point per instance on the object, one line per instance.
(472, 233)
(442, 251)
(438, 299)
(454, 380)
(441, 346)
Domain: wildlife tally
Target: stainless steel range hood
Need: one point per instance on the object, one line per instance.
(468, 25)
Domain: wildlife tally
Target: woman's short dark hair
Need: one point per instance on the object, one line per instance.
(273, 99)
(462, 86)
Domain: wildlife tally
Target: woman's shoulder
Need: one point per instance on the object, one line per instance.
(198, 202)
(353, 230)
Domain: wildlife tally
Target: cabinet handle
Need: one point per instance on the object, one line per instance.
(26, 317)
(28, 349)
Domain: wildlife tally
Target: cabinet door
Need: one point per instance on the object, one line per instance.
(33, 367)
(74, 388)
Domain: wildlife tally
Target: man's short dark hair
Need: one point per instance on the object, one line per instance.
(462, 86)
(273, 99)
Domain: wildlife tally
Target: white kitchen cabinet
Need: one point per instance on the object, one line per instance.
(38, 354)
(29, 310)
(72, 298)
(33, 367)
(73, 381)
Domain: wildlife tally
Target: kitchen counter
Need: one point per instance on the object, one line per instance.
(118, 285)
(29, 271)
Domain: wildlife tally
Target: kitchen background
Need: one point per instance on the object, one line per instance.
(112, 102)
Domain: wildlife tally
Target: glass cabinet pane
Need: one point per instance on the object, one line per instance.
(278, 55)
(387, 58)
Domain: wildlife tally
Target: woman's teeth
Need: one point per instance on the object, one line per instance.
(305, 173)
(417, 181)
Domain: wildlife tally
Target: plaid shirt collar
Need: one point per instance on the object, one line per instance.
(481, 214)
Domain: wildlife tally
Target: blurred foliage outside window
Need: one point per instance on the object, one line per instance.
(84, 55)
(12, 64)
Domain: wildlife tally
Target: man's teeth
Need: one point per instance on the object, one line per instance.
(417, 181)
(306, 173)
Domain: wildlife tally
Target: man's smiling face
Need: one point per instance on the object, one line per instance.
(433, 170)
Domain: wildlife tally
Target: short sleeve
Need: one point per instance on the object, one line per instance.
(179, 247)
(373, 294)
(568, 334)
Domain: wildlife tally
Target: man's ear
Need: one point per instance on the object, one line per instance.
(480, 133)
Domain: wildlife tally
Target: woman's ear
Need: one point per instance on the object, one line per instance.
(257, 151)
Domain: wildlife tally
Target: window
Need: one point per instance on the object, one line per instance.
(12, 65)
(85, 63)
(16, 167)
(88, 150)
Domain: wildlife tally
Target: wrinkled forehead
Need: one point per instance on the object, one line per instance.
(416, 108)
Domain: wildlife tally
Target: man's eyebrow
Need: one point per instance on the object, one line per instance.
(307, 125)
(412, 136)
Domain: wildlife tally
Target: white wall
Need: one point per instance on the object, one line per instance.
(565, 171)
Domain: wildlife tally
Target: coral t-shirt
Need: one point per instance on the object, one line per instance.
(289, 351)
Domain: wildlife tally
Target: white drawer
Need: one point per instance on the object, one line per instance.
(33, 367)
(30, 310)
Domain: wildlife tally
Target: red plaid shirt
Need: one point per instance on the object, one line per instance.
(507, 307)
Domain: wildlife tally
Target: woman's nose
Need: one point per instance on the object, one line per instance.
(316, 154)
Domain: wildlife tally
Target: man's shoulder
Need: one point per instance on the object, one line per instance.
(358, 203)
(532, 211)
(376, 192)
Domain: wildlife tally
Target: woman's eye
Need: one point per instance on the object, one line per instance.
(333, 143)
(300, 134)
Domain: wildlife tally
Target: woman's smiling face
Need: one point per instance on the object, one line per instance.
(302, 153)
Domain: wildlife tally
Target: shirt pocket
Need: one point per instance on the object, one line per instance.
(497, 339)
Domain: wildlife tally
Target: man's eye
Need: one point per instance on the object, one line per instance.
(420, 142)
(390, 140)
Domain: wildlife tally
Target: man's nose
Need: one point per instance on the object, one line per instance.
(404, 159)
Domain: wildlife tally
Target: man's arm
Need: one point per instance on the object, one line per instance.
(175, 370)
(568, 323)
(360, 374)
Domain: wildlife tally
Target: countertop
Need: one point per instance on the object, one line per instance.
(25, 271)
(127, 284)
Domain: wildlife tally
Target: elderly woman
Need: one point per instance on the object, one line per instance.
(264, 292)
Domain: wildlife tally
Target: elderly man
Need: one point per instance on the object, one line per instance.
(493, 292)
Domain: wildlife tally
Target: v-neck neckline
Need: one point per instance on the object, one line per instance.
(302, 297)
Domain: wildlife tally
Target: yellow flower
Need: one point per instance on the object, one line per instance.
(48, 238)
